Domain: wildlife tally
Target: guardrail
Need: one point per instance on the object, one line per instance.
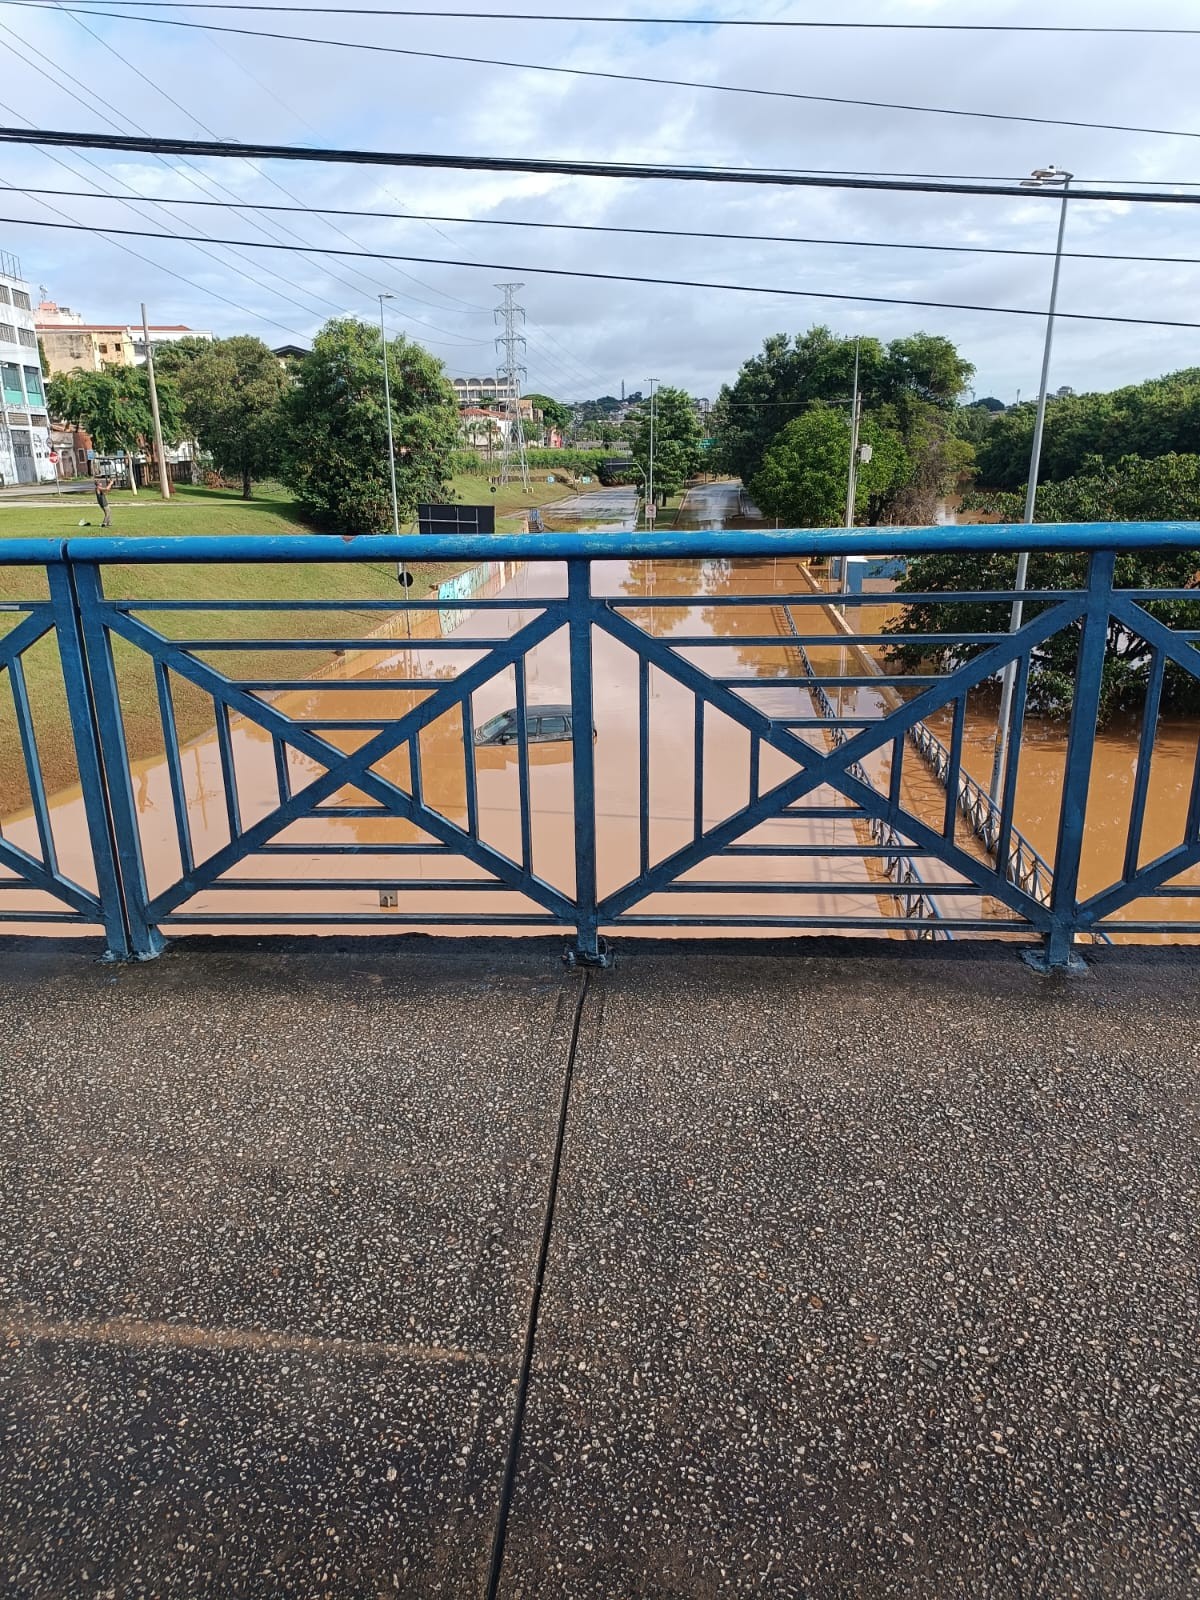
(230, 827)
(916, 903)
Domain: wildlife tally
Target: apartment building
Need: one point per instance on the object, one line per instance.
(24, 424)
(71, 344)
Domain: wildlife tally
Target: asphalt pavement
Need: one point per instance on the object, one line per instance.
(871, 1271)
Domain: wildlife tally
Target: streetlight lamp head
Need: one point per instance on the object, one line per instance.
(387, 297)
(1044, 175)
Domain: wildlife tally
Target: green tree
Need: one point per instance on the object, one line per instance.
(554, 413)
(113, 405)
(1158, 417)
(1166, 488)
(335, 458)
(232, 392)
(676, 441)
(802, 480)
(817, 367)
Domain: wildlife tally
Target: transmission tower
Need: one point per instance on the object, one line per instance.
(511, 345)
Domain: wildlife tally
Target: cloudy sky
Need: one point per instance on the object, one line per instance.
(586, 337)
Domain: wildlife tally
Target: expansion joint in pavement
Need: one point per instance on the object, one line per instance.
(513, 1457)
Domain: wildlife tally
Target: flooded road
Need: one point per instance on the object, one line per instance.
(368, 688)
(351, 851)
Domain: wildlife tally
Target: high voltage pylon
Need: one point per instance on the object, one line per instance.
(511, 343)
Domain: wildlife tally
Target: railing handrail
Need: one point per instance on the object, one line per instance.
(619, 544)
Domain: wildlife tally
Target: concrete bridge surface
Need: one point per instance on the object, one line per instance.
(871, 1271)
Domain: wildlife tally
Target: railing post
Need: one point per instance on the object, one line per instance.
(1057, 954)
(589, 949)
(85, 734)
(144, 939)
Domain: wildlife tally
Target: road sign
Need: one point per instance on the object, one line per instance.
(651, 511)
(54, 456)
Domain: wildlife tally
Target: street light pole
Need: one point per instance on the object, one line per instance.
(403, 578)
(387, 405)
(164, 482)
(651, 508)
(1040, 178)
(852, 474)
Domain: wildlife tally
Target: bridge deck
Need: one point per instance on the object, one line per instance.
(870, 1273)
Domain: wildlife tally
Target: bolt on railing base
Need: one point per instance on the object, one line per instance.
(1045, 961)
(589, 953)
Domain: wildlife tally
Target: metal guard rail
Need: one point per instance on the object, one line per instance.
(93, 870)
(918, 904)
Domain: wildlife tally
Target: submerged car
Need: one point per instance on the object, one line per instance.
(543, 725)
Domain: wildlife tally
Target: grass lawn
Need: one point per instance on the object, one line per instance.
(510, 499)
(195, 511)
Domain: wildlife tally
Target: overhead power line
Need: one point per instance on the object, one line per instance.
(233, 149)
(631, 277)
(619, 77)
(664, 22)
(738, 237)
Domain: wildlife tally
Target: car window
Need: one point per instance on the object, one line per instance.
(554, 727)
(494, 726)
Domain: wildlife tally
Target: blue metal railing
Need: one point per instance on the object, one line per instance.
(218, 831)
(916, 901)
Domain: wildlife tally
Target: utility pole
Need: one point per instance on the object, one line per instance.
(403, 576)
(511, 345)
(852, 474)
(1042, 177)
(651, 504)
(164, 482)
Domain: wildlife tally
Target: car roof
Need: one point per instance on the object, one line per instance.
(532, 709)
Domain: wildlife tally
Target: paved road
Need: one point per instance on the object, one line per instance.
(599, 505)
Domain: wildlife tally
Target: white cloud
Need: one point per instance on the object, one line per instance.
(587, 335)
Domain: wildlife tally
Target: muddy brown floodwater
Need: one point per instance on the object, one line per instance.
(370, 685)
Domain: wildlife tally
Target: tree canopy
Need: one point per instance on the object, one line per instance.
(1155, 418)
(113, 406)
(554, 413)
(817, 367)
(803, 478)
(1166, 488)
(676, 441)
(335, 457)
(232, 391)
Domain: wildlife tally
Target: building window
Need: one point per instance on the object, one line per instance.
(10, 377)
(5, 296)
(20, 298)
(33, 385)
(104, 351)
(8, 334)
(27, 337)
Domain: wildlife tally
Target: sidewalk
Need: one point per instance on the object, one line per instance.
(871, 1272)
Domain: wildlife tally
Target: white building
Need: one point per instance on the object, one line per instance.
(482, 391)
(24, 424)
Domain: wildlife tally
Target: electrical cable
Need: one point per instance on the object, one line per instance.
(664, 172)
(279, 228)
(624, 77)
(659, 233)
(629, 277)
(53, 76)
(667, 22)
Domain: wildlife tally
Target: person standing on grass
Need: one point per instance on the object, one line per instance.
(103, 485)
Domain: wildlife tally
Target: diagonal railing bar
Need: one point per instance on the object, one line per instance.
(1187, 854)
(830, 768)
(28, 631)
(32, 871)
(343, 768)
